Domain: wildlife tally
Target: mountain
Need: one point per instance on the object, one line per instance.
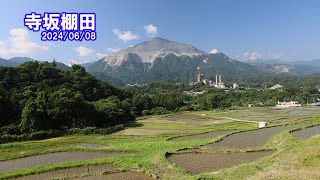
(16, 61)
(20, 60)
(148, 51)
(4, 62)
(161, 59)
(63, 67)
(306, 67)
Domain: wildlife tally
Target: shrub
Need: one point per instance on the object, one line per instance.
(44, 134)
(146, 112)
(86, 131)
(186, 108)
(159, 110)
(11, 129)
(110, 130)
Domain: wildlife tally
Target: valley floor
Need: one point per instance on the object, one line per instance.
(193, 145)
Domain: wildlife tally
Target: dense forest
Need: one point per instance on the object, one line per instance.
(37, 97)
(38, 100)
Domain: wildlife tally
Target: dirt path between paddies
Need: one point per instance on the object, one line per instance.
(70, 172)
(211, 162)
(49, 159)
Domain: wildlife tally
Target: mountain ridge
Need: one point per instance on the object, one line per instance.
(149, 50)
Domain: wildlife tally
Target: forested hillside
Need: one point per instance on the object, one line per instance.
(38, 96)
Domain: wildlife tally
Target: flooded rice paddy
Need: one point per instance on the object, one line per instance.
(209, 162)
(252, 138)
(70, 172)
(204, 136)
(307, 133)
(49, 159)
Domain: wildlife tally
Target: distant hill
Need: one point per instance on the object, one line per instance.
(4, 62)
(16, 61)
(21, 60)
(306, 67)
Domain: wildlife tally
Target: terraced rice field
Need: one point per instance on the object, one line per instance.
(201, 145)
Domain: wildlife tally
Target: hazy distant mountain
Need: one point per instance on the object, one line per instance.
(16, 61)
(306, 67)
(4, 62)
(21, 60)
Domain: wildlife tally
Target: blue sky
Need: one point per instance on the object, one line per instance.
(244, 30)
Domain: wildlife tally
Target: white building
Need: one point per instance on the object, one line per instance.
(277, 86)
(235, 85)
(262, 124)
(285, 104)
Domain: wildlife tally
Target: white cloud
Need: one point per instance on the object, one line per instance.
(151, 30)
(275, 56)
(2, 43)
(88, 54)
(73, 61)
(252, 56)
(19, 43)
(124, 35)
(214, 51)
(101, 55)
(84, 51)
(114, 50)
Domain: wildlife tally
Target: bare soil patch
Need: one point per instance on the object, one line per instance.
(209, 162)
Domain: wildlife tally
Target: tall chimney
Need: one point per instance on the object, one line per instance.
(216, 79)
(219, 79)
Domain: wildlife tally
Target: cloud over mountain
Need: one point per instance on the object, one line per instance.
(124, 35)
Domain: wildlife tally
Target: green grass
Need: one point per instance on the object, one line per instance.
(290, 155)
